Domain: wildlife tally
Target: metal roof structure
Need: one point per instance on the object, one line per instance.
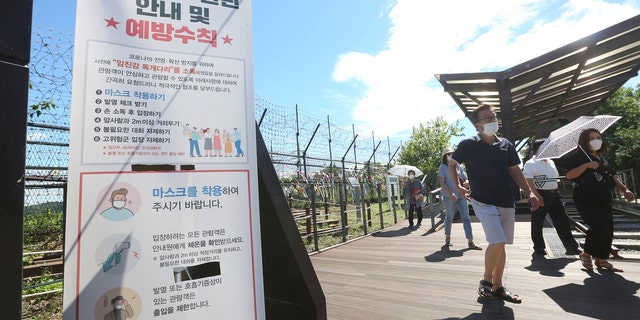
(546, 92)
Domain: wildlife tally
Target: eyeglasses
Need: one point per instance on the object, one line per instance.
(490, 118)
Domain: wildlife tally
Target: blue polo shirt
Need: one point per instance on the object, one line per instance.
(487, 166)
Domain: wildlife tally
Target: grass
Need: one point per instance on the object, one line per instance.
(42, 296)
(354, 226)
(43, 231)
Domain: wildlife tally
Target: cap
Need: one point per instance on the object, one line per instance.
(447, 150)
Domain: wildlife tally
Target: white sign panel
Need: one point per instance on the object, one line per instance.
(163, 83)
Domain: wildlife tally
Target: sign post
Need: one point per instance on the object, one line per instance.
(162, 216)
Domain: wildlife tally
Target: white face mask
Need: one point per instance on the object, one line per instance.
(448, 157)
(411, 176)
(119, 204)
(119, 306)
(490, 128)
(595, 144)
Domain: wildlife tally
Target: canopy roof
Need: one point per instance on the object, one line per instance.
(540, 95)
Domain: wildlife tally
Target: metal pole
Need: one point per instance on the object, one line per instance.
(297, 139)
(373, 139)
(389, 151)
(393, 196)
(262, 117)
(332, 196)
(393, 204)
(369, 178)
(391, 158)
(380, 205)
(355, 153)
(343, 206)
(365, 219)
(341, 188)
(313, 192)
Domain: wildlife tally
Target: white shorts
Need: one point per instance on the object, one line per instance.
(498, 222)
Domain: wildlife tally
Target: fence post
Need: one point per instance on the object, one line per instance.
(368, 204)
(313, 190)
(363, 207)
(307, 213)
(379, 187)
(393, 204)
(343, 219)
(344, 188)
(326, 210)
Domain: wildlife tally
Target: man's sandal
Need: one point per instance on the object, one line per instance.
(506, 295)
(484, 290)
(586, 261)
(607, 266)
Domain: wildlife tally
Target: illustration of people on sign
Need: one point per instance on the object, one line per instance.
(228, 140)
(117, 303)
(237, 140)
(217, 143)
(208, 142)
(117, 211)
(120, 309)
(194, 136)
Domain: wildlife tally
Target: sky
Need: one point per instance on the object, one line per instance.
(372, 63)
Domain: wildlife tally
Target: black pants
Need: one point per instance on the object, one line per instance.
(412, 208)
(595, 208)
(554, 206)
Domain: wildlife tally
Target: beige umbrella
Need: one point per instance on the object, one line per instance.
(402, 170)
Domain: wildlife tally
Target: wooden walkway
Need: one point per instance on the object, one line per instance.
(400, 273)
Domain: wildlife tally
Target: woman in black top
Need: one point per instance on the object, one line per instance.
(593, 196)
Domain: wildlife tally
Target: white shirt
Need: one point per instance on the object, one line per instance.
(543, 172)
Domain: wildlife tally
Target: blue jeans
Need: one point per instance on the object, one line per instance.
(450, 208)
(193, 145)
(238, 150)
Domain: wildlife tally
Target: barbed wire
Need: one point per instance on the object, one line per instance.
(286, 129)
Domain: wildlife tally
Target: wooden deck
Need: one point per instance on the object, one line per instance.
(399, 273)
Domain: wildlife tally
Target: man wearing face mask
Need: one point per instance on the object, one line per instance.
(542, 176)
(117, 211)
(121, 309)
(492, 165)
(592, 194)
(412, 196)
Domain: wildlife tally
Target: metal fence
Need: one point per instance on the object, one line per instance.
(306, 148)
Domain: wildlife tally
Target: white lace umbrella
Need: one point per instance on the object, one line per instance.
(402, 170)
(565, 139)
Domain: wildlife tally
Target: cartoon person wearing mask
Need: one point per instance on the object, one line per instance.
(121, 309)
(117, 211)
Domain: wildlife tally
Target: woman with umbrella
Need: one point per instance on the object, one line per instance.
(413, 194)
(593, 196)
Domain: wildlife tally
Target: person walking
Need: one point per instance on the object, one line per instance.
(593, 196)
(492, 167)
(413, 195)
(452, 200)
(542, 176)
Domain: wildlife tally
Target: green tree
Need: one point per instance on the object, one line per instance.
(424, 148)
(624, 136)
